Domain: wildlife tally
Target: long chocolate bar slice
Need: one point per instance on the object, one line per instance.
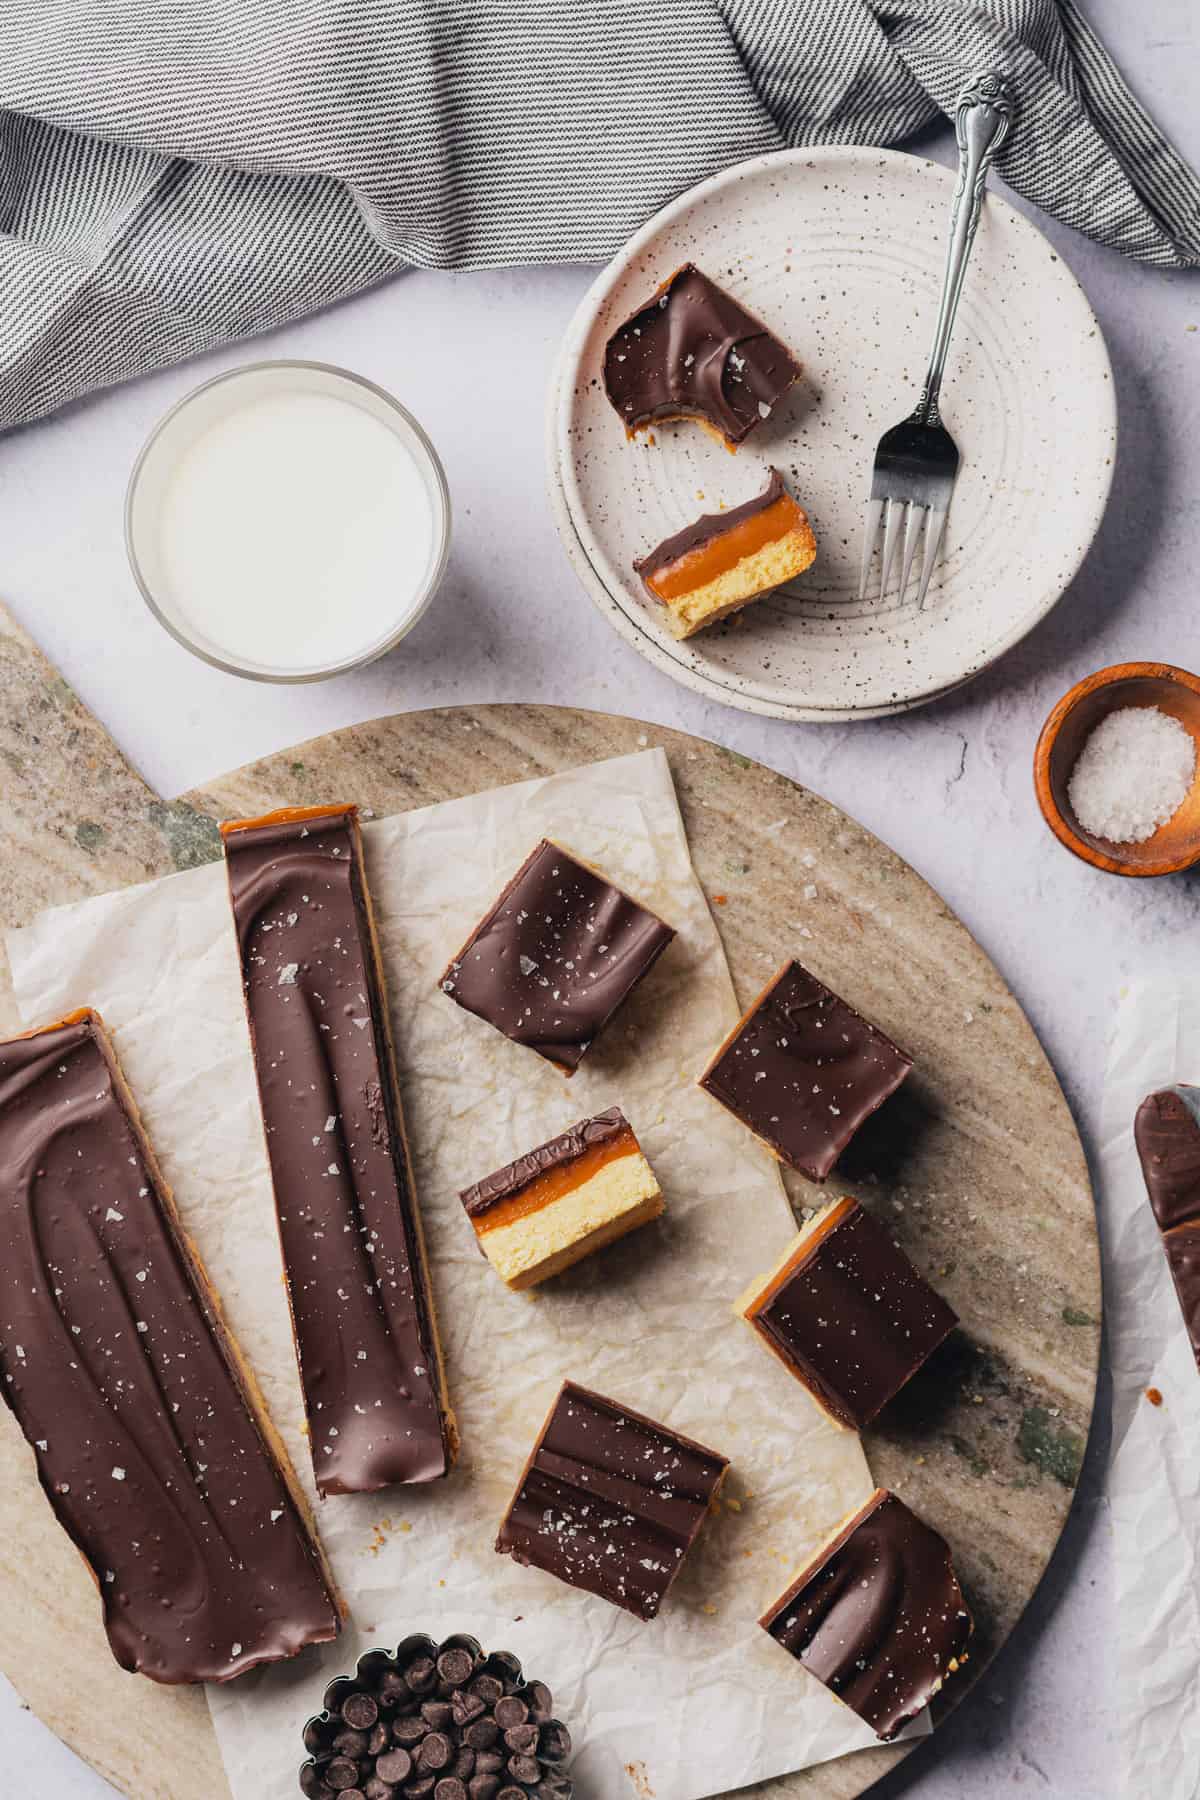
(847, 1313)
(877, 1615)
(584, 1189)
(348, 1220)
(609, 1501)
(152, 1442)
(1167, 1133)
(722, 561)
(694, 352)
(803, 1070)
(553, 959)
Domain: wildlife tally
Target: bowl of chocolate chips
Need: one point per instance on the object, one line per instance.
(433, 1721)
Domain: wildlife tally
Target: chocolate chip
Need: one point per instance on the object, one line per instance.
(436, 1751)
(554, 1742)
(455, 1666)
(409, 1730)
(360, 1711)
(437, 1713)
(488, 1762)
(524, 1768)
(522, 1738)
(465, 1707)
(419, 1788)
(341, 1774)
(392, 1688)
(481, 1734)
(488, 1688)
(379, 1790)
(352, 1794)
(394, 1765)
(510, 1711)
(379, 1739)
(511, 1793)
(464, 1763)
(421, 1675)
(484, 1787)
(312, 1783)
(539, 1699)
(450, 1788)
(351, 1743)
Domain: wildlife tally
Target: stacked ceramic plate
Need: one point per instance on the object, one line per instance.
(840, 253)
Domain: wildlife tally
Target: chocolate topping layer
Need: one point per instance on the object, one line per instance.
(1167, 1133)
(709, 526)
(348, 1221)
(694, 351)
(803, 1070)
(609, 1501)
(566, 1148)
(854, 1318)
(555, 957)
(1182, 1247)
(878, 1616)
(126, 1384)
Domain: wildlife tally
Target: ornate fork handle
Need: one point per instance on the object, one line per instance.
(982, 120)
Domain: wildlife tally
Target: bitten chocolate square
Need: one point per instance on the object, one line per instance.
(609, 1501)
(803, 1070)
(847, 1313)
(878, 1615)
(554, 958)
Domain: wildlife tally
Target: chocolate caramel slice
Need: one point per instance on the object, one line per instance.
(553, 959)
(610, 1501)
(580, 1191)
(845, 1311)
(724, 560)
(803, 1071)
(1167, 1134)
(877, 1615)
(349, 1225)
(694, 352)
(153, 1444)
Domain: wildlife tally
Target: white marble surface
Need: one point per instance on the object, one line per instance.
(949, 787)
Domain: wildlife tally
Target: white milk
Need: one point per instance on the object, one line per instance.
(294, 532)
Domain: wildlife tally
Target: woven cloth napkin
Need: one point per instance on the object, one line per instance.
(174, 176)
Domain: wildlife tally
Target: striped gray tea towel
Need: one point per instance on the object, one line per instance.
(176, 174)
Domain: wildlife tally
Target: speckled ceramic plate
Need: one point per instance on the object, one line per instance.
(840, 251)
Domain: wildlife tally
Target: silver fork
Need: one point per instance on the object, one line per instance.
(917, 461)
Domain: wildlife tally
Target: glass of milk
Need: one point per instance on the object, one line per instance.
(288, 521)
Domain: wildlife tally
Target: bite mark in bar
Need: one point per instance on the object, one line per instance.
(609, 1501)
(803, 1071)
(556, 955)
(153, 1444)
(877, 1615)
(349, 1225)
(1167, 1134)
(584, 1189)
(845, 1311)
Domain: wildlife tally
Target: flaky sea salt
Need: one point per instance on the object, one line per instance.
(1133, 774)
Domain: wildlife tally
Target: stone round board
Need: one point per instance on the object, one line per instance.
(840, 252)
(976, 1167)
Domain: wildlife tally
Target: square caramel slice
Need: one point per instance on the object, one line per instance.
(609, 1501)
(803, 1070)
(581, 1190)
(877, 1614)
(847, 1313)
(556, 955)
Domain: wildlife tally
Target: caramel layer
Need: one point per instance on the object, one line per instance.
(802, 1253)
(551, 1186)
(710, 561)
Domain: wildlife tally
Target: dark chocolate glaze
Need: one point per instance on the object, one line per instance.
(610, 1501)
(709, 526)
(879, 1617)
(855, 1320)
(695, 350)
(1167, 1133)
(804, 1070)
(566, 1148)
(348, 1226)
(554, 958)
(124, 1384)
(1182, 1246)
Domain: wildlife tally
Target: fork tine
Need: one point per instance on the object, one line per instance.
(874, 514)
(917, 516)
(933, 541)
(891, 537)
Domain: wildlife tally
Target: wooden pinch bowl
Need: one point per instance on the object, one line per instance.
(1175, 845)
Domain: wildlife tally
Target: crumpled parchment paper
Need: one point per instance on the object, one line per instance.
(1154, 1469)
(700, 1700)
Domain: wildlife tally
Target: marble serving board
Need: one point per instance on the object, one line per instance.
(976, 1166)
